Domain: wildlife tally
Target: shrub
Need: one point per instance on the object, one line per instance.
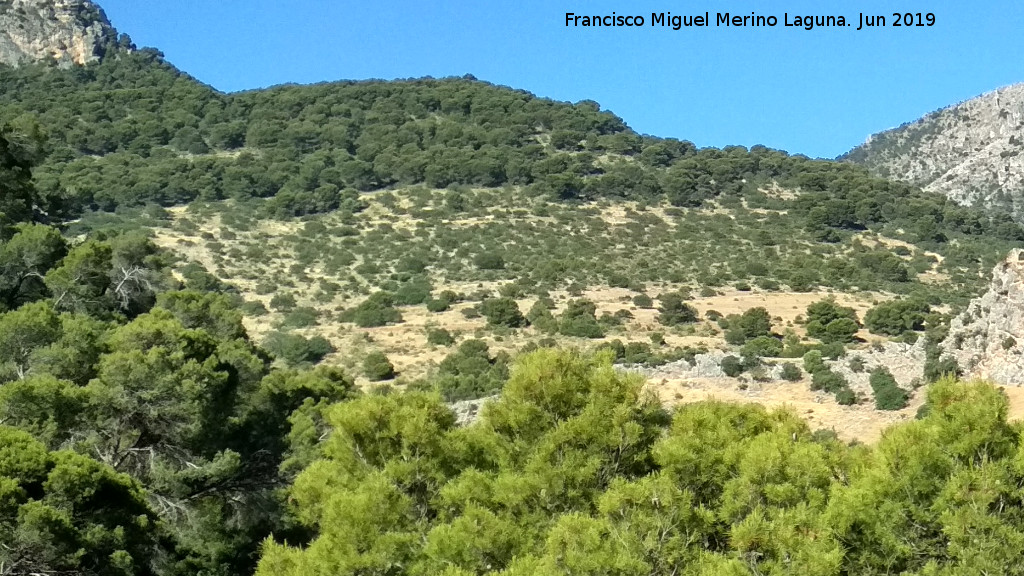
(377, 367)
(643, 301)
(888, 395)
(540, 318)
(828, 381)
(470, 372)
(502, 312)
(296, 349)
(254, 308)
(830, 322)
(415, 291)
(579, 320)
(732, 366)
(895, 317)
(762, 346)
(301, 317)
(791, 372)
(440, 337)
(813, 362)
(438, 305)
(489, 261)
(833, 350)
(377, 310)
(675, 311)
(282, 302)
(846, 397)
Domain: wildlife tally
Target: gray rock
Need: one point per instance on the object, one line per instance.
(987, 339)
(66, 31)
(972, 152)
(467, 411)
(904, 362)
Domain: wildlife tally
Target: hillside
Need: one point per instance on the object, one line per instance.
(969, 152)
(235, 328)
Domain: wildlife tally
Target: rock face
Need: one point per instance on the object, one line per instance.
(972, 152)
(904, 361)
(988, 338)
(66, 31)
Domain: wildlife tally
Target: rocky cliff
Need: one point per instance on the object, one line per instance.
(66, 31)
(988, 338)
(970, 152)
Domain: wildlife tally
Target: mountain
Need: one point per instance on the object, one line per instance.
(61, 31)
(970, 152)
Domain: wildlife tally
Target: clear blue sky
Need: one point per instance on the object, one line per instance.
(816, 92)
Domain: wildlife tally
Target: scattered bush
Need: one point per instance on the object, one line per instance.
(895, 317)
(296, 349)
(440, 337)
(732, 366)
(502, 312)
(791, 372)
(579, 320)
(888, 394)
(377, 367)
(674, 310)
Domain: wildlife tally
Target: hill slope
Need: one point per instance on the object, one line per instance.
(969, 152)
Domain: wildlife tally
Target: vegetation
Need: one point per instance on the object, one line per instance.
(543, 484)
(145, 430)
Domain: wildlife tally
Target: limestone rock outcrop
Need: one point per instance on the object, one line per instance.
(972, 152)
(65, 31)
(987, 339)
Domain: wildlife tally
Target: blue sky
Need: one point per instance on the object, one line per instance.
(816, 92)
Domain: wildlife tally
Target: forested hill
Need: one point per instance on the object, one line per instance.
(132, 130)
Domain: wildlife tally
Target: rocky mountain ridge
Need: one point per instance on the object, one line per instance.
(970, 152)
(987, 339)
(66, 31)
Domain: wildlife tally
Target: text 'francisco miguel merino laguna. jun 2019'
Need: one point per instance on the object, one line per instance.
(859, 21)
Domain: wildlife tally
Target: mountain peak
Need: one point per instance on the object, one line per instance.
(970, 152)
(64, 31)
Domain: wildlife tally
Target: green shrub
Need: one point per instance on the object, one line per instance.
(643, 301)
(438, 305)
(674, 310)
(888, 394)
(377, 310)
(830, 322)
(440, 337)
(732, 366)
(502, 312)
(254, 308)
(762, 346)
(470, 372)
(814, 362)
(377, 367)
(296, 349)
(300, 317)
(895, 317)
(791, 372)
(282, 302)
(489, 261)
(413, 292)
(579, 320)
(846, 397)
(828, 381)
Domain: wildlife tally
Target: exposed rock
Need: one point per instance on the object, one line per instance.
(67, 31)
(987, 339)
(970, 152)
(904, 361)
(467, 411)
(704, 366)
